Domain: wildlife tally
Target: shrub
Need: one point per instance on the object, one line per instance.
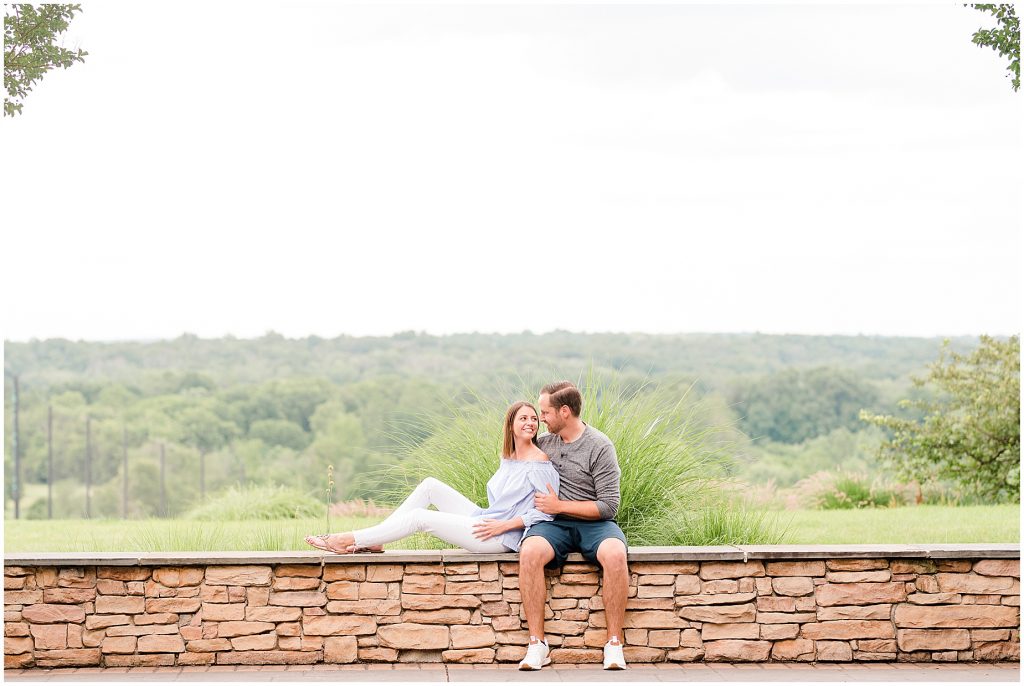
(846, 491)
(933, 492)
(258, 502)
(673, 461)
(37, 510)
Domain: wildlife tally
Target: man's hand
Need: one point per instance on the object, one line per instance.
(548, 503)
(488, 528)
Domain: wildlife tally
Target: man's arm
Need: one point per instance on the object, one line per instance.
(606, 482)
(548, 503)
(580, 509)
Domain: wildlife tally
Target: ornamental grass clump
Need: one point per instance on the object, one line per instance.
(726, 522)
(674, 461)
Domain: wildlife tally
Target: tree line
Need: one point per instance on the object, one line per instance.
(99, 423)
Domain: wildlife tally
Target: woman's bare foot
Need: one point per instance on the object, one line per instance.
(333, 543)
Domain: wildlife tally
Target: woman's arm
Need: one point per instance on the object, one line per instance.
(488, 528)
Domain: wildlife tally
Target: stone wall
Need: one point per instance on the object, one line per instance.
(686, 604)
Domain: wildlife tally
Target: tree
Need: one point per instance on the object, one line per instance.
(279, 432)
(1005, 39)
(31, 50)
(971, 430)
(339, 442)
(794, 405)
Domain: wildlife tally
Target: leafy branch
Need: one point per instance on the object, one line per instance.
(1004, 39)
(30, 49)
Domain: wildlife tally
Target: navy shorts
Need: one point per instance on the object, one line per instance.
(575, 535)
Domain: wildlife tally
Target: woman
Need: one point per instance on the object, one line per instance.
(499, 528)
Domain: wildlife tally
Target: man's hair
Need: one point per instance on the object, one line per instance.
(564, 393)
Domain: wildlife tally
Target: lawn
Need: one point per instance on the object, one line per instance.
(175, 534)
(921, 524)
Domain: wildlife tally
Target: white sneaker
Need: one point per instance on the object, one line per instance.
(536, 656)
(613, 658)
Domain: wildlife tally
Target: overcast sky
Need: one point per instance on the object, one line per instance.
(322, 169)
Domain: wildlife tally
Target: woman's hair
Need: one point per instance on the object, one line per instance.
(508, 445)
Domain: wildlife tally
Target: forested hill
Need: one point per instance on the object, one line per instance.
(278, 411)
(710, 358)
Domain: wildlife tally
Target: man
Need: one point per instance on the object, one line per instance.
(584, 510)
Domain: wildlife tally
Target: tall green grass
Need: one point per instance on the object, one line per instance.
(728, 524)
(673, 460)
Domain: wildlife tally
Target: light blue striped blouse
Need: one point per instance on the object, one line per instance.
(510, 494)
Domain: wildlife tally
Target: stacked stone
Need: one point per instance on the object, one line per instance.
(857, 610)
(471, 612)
(44, 617)
(958, 610)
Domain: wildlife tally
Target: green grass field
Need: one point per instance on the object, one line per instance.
(922, 524)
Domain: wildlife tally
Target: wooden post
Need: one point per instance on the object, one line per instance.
(163, 492)
(16, 446)
(124, 468)
(49, 462)
(88, 463)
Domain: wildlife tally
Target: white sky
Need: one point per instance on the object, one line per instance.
(322, 169)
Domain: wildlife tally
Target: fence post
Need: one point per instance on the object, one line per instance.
(49, 461)
(124, 481)
(16, 445)
(163, 493)
(88, 463)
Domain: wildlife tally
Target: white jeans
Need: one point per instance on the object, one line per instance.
(451, 522)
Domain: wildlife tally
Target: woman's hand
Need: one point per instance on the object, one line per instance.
(488, 528)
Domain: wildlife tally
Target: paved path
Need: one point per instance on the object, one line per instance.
(402, 673)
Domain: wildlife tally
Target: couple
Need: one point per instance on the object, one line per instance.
(552, 495)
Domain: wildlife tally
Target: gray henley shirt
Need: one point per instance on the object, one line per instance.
(587, 467)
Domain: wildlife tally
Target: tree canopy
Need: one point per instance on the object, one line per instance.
(31, 48)
(1004, 39)
(971, 430)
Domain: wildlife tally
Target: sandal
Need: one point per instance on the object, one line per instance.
(323, 544)
(365, 549)
(348, 550)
